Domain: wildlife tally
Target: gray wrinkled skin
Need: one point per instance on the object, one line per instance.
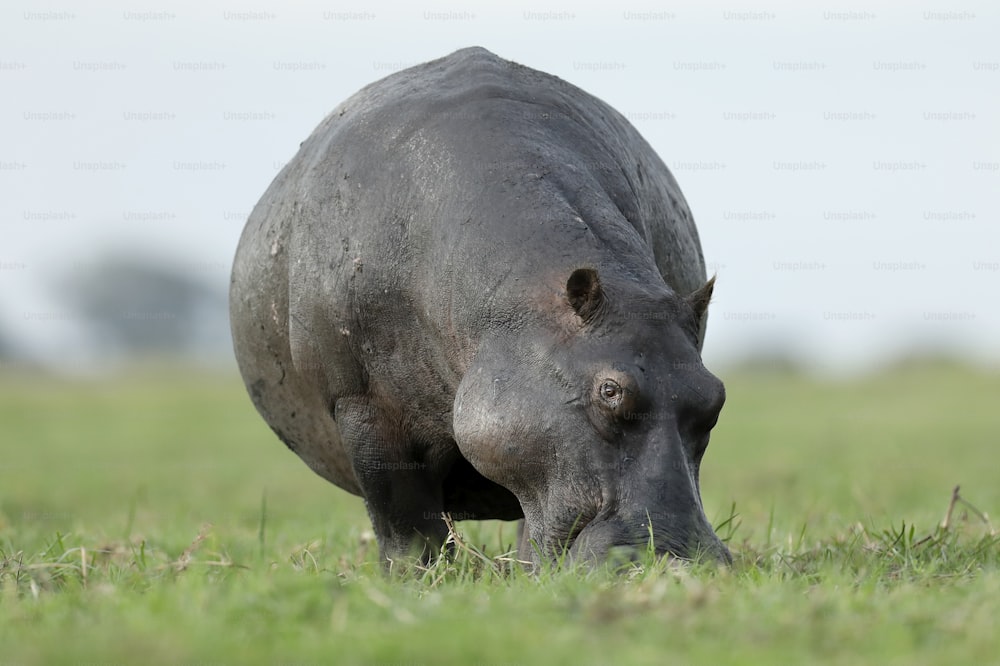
(477, 290)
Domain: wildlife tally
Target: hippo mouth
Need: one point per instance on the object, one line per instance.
(617, 540)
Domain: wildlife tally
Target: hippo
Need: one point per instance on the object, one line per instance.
(476, 290)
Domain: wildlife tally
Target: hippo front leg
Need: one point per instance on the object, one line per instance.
(525, 546)
(402, 491)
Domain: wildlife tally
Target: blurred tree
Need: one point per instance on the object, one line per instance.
(139, 307)
(6, 348)
(12, 354)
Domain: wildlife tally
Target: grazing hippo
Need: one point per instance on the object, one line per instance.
(477, 290)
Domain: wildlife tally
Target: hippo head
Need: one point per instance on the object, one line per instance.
(597, 419)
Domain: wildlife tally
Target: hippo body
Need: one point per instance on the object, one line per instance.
(477, 290)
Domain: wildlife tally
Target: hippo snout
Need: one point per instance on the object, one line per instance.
(620, 540)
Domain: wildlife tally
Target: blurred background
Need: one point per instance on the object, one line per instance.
(842, 161)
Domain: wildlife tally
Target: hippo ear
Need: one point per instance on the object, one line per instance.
(700, 297)
(584, 293)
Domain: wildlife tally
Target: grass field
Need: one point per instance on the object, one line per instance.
(155, 519)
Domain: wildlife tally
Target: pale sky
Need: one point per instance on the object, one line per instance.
(842, 164)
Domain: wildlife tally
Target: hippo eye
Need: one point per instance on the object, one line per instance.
(611, 392)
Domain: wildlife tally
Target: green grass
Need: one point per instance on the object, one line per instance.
(155, 519)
